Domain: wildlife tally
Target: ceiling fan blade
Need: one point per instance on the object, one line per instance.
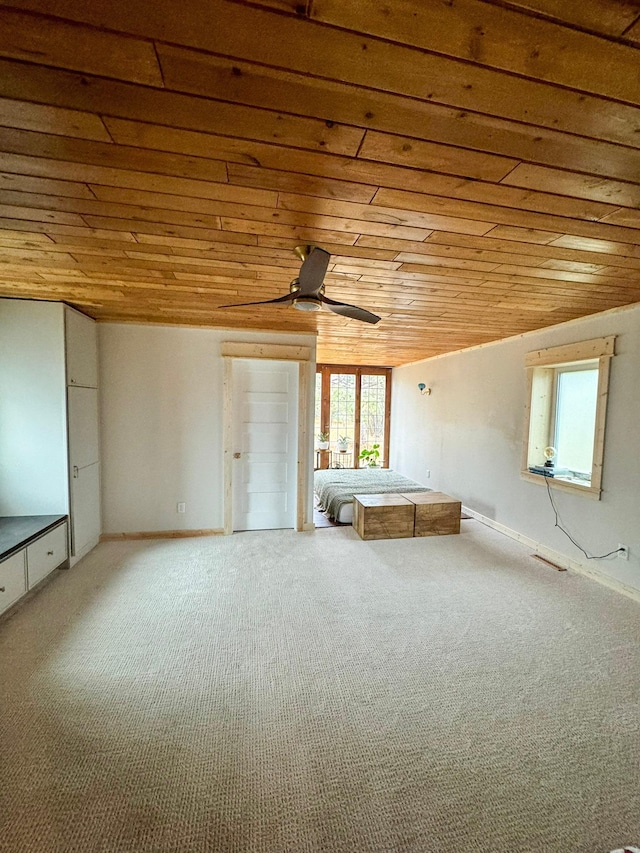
(313, 271)
(351, 311)
(289, 297)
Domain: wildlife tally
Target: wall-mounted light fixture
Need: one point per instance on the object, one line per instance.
(423, 389)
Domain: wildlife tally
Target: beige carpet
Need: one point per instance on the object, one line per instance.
(276, 692)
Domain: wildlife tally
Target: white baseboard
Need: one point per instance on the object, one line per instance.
(556, 557)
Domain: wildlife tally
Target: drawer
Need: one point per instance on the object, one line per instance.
(13, 582)
(46, 553)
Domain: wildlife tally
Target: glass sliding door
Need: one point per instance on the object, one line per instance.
(353, 406)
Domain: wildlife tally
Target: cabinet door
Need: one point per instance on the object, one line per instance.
(13, 582)
(82, 419)
(85, 508)
(81, 349)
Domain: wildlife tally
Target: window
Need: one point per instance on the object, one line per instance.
(373, 394)
(342, 408)
(576, 399)
(567, 399)
(352, 403)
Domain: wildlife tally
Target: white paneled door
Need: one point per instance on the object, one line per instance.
(265, 441)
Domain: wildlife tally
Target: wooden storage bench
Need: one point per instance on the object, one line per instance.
(436, 514)
(383, 516)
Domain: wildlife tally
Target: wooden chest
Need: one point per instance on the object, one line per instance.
(383, 516)
(436, 514)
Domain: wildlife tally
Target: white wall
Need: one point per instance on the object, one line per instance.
(161, 424)
(33, 429)
(469, 434)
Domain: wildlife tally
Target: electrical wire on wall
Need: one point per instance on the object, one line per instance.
(566, 532)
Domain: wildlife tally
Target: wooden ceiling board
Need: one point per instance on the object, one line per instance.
(606, 17)
(479, 32)
(255, 85)
(473, 168)
(288, 41)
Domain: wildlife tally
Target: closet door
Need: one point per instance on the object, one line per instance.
(85, 508)
(84, 468)
(82, 424)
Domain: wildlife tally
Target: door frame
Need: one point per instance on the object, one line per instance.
(357, 370)
(306, 369)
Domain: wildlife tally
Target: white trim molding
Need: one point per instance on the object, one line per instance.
(556, 557)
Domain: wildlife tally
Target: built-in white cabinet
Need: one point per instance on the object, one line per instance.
(49, 452)
(81, 361)
(13, 579)
(82, 424)
(26, 568)
(85, 509)
(81, 349)
(45, 554)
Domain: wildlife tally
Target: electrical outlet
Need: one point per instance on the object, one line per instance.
(427, 473)
(623, 551)
(181, 507)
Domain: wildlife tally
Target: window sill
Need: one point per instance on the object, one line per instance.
(574, 486)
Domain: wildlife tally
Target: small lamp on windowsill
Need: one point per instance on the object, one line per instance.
(549, 455)
(423, 389)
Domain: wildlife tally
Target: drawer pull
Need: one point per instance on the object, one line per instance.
(2, 588)
(50, 553)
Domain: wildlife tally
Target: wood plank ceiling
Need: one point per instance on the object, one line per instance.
(473, 167)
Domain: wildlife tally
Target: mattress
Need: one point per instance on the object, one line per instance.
(335, 488)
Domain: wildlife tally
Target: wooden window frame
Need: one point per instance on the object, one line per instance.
(541, 367)
(352, 369)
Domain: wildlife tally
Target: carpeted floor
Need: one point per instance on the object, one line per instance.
(278, 692)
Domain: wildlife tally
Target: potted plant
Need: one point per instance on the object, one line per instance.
(343, 443)
(323, 440)
(369, 458)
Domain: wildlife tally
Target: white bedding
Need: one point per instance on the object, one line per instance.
(335, 488)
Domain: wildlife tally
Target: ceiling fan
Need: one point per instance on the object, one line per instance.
(306, 292)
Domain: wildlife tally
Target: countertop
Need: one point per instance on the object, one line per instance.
(16, 531)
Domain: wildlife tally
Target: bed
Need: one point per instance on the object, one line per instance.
(335, 488)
